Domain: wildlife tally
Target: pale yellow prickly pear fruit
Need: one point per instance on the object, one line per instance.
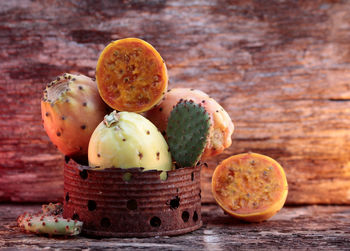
(128, 140)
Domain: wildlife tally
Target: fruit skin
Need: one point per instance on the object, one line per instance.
(71, 109)
(128, 140)
(221, 124)
(49, 221)
(256, 214)
(187, 132)
(131, 75)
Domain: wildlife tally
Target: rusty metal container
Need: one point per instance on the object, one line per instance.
(131, 203)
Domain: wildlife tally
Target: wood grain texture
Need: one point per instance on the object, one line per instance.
(280, 68)
(294, 228)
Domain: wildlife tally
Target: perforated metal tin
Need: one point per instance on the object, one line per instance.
(131, 203)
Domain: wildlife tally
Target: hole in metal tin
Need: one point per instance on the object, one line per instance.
(127, 176)
(195, 216)
(185, 216)
(175, 203)
(66, 159)
(105, 222)
(155, 222)
(91, 205)
(67, 196)
(163, 175)
(131, 204)
(83, 174)
(75, 216)
(192, 176)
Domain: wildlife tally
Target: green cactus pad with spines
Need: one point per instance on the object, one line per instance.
(49, 221)
(52, 225)
(187, 132)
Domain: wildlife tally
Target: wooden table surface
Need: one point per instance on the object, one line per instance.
(304, 227)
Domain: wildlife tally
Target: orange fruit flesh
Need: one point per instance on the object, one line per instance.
(131, 75)
(250, 186)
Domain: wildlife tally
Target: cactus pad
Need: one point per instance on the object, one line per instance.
(187, 132)
(49, 221)
(51, 225)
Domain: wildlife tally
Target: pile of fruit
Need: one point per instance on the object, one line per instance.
(128, 118)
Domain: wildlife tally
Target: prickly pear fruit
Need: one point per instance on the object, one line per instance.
(187, 132)
(49, 221)
(221, 127)
(131, 75)
(71, 109)
(128, 140)
(250, 186)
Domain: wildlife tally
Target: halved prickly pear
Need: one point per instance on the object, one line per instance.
(128, 140)
(221, 128)
(131, 75)
(250, 186)
(187, 132)
(71, 109)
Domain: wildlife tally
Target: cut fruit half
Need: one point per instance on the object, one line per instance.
(250, 186)
(131, 75)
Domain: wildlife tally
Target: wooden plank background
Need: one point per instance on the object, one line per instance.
(280, 68)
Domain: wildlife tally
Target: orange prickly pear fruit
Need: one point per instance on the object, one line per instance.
(250, 186)
(131, 75)
(71, 108)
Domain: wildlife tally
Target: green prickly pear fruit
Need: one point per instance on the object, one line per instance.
(71, 109)
(187, 132)
(221, 128)
(128, 140)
